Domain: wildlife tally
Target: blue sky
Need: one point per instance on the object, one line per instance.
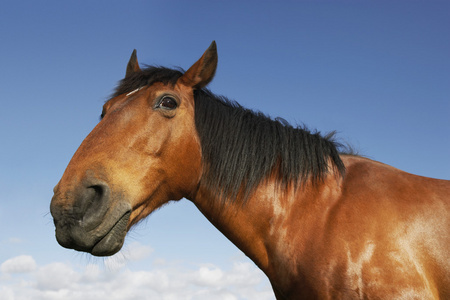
(376, 72)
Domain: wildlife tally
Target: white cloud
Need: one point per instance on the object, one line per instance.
(55, 276)
(208, 276)
(57, 281)
(18, 264)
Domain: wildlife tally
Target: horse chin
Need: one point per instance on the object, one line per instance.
(113, 241)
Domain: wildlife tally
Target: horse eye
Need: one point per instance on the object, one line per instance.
(168, 103)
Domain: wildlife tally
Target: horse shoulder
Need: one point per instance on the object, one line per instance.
(376, 231)
(389, 228)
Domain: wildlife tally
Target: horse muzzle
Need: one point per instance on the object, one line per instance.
(88, 218)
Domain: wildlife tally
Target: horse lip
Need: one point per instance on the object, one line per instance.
(113, 240)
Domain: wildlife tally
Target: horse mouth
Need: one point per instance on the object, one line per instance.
(113, 241)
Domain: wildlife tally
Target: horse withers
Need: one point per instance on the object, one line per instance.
(320, 223)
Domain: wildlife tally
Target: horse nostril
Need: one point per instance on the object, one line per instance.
(97, 192)
(94, 202)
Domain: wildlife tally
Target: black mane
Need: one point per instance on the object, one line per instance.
(240, 147)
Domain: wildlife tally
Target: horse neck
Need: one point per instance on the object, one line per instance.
(244, 224)
(256, 225)
(260, 226)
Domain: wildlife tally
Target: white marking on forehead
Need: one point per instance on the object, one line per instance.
(136, 90)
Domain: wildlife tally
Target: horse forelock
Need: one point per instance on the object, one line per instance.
(147, 77)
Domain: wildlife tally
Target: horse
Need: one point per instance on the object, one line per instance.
(320, 222)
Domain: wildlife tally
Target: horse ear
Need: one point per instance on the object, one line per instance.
(202, 72)
(133, 65)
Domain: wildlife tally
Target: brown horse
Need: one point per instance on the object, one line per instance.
(321, 224)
